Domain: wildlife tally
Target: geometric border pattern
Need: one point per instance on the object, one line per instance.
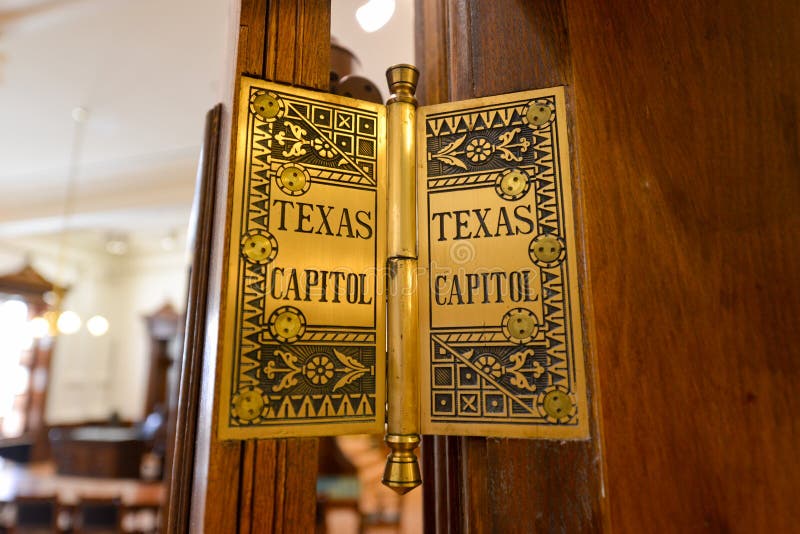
(479, 379)
(320, 379)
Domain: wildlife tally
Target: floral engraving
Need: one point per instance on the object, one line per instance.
(319, 369)
(489, 365)
(323, 147)
(479, 150)
(297, 139)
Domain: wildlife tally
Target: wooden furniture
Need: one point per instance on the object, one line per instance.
(30, 286)
(162, 328)
(41, 479)
(142, 519)
(139, 502)
(97, 515)
(96, 451)
(35, 515)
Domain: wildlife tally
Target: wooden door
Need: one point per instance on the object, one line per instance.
(683, 125)
(683, 120)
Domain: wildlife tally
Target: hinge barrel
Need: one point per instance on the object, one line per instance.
(402, 469)
(401, 121)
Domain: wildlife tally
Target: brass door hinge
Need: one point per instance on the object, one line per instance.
(331, 197)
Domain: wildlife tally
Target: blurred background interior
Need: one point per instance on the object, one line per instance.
(102, 105)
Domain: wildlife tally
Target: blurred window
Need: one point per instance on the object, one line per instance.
(16, 343)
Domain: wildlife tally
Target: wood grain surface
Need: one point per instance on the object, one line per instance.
(257, 485)
(179, 465)
(686, 163)
(468, 49)
(687, 137)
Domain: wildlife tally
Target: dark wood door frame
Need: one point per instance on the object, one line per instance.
(469, 49)
(689, 212)
(254, 485)
(683, 124)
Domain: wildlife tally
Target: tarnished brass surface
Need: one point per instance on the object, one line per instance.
(303, 325)
(538, 113)
(403, 339)
(402, 471)
(501, 339)
(401, 111)
(489, 342)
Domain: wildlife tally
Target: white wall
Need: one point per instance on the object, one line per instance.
(142, 284)
(377, 51)
(91, 378)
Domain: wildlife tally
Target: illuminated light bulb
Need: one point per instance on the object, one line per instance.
(373, 15)
(40, 327)
(68, 322)
(14, 310)
(97, 325)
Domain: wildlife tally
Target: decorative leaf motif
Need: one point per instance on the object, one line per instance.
(517, 378)
(291, 370)
(518, 358)
(298, 136)
(348, 379)
(504, 145)
(288, 358)
(270, 369)
(299, 132)
(452, 146)
(287, 381)
(450, 160)
(350, 363)
(447, 154)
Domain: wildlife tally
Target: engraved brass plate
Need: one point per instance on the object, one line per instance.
(501, 340)
(304, 317)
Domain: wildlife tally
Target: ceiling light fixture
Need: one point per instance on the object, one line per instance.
(97, 325)
(68, 322)
(374, 15)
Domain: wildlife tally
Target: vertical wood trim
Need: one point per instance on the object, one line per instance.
(460, 59)
(283, 33)
(474, 495)
(260, 484)
(279, 492)
(427, 465)
(302, 462)
(314, 57)
(247, 487)
(433, 79)
(289, 24)
(183, 427)
(508, 485)
(206, 412)
(445, 497)
(252, 28)
(265, 489)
